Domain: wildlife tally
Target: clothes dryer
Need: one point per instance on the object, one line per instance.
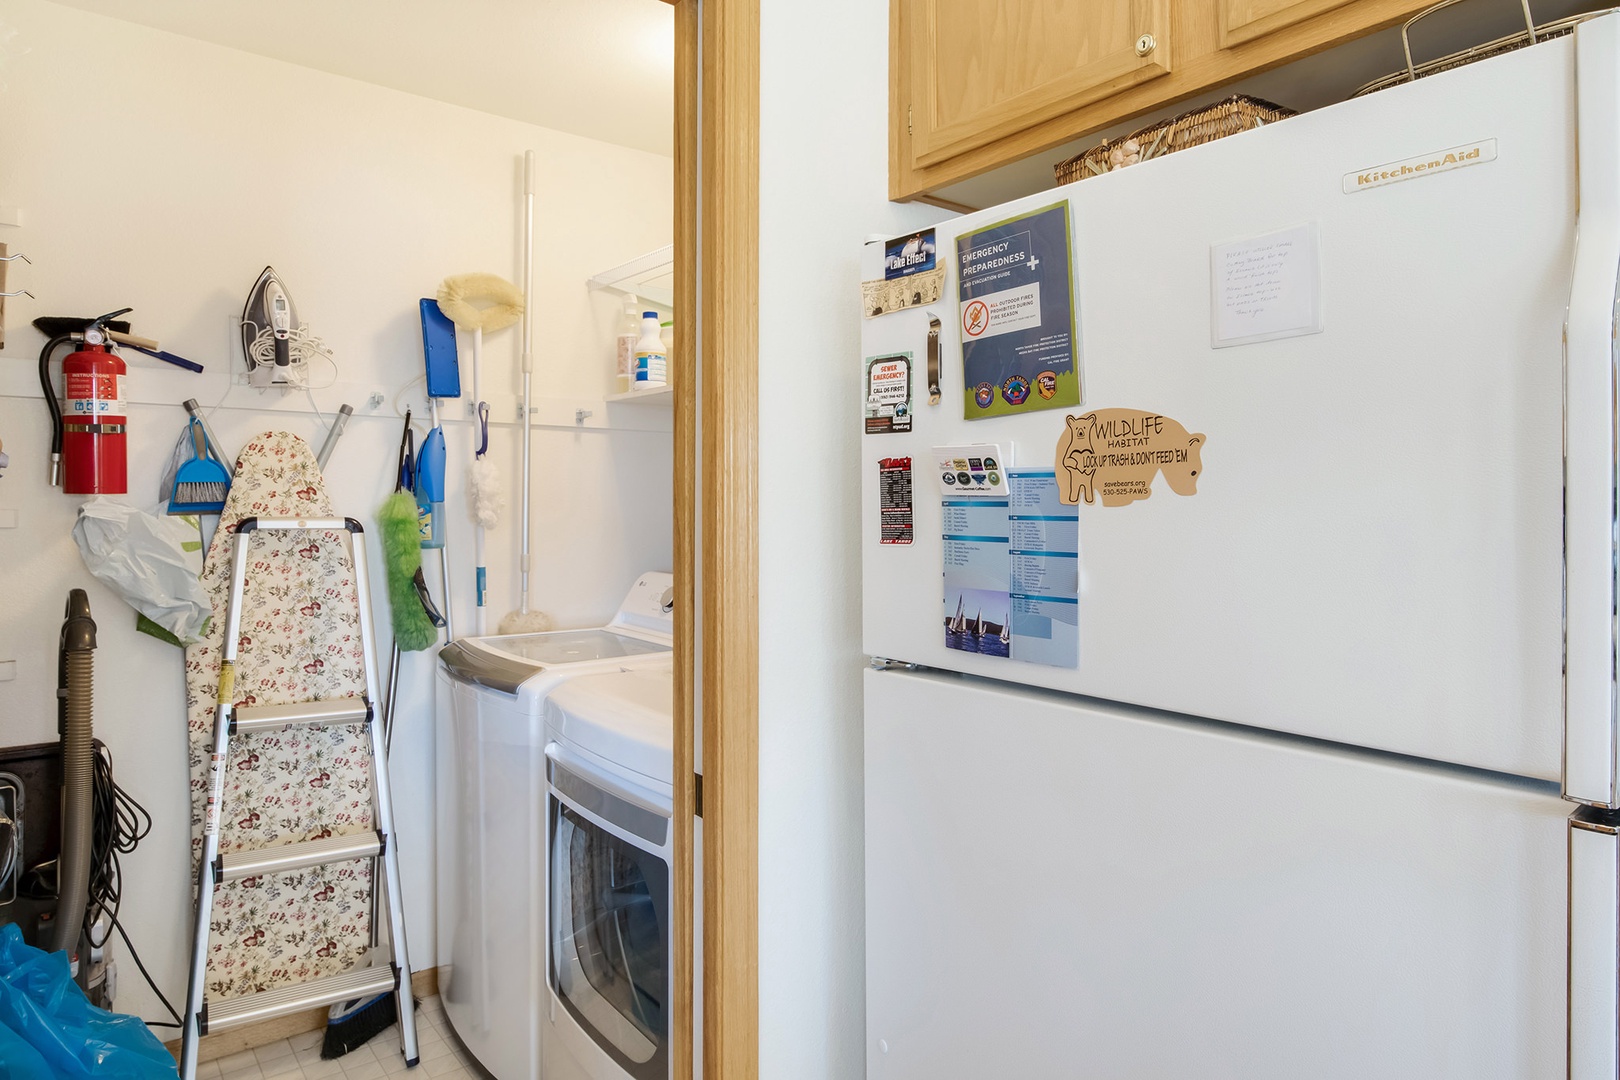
(609, 768)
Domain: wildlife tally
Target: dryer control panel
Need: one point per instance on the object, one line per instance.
(650, 606)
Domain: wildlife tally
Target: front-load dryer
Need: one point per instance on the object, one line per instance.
(609, 766)
(491, 795)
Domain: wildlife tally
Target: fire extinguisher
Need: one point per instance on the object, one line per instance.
(89, 452)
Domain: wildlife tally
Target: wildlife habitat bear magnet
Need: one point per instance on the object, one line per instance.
(1116, 453)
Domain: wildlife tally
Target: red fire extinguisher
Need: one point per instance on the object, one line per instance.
(94, 450)
(90, 436)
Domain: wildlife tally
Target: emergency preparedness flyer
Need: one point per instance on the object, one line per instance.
(1020, 340)
(1044, 583)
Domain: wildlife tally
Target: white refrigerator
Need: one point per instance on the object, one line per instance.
(1312, 773)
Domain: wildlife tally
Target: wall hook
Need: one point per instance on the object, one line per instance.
(19, 292)
(19, 255)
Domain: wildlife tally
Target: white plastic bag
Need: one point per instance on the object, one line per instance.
(145, 559)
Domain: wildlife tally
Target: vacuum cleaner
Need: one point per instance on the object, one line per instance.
(75, 677)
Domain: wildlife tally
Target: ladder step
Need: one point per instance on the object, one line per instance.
(349, 710)
(274, 860)
(355, 983)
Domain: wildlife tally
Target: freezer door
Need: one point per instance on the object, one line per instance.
(1057, 888)
(1594, 944)
(1374, 552)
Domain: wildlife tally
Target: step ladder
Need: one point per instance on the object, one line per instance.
(393, 975)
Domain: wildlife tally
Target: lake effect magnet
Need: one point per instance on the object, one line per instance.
(1115, 453)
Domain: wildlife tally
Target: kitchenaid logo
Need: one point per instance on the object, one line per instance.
(1474, 153)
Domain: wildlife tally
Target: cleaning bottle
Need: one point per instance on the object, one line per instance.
(651, 360)
(629, 334)
(430, 489)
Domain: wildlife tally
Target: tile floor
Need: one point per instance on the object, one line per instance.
(299, 1058)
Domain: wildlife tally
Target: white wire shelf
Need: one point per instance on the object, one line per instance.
(651, 278)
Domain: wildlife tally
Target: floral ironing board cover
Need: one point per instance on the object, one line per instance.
(300, 641)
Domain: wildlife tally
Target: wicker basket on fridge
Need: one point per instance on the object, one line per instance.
(1235, 114)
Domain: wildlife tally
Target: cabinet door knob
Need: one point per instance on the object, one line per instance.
(1145, 44)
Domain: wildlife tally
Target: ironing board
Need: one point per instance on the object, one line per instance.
(300, 642)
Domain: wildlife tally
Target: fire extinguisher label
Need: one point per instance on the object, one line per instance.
(90, 394)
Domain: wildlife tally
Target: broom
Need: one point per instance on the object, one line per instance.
(352, 1023)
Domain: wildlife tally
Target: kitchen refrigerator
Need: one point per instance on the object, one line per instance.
(1314, 773)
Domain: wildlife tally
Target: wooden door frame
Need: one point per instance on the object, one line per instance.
(716, 542)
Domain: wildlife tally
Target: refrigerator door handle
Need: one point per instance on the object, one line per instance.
(1594, 944)
(1590, 438)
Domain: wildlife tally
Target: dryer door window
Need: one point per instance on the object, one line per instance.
(610, 940)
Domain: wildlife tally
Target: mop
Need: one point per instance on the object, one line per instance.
(485, 500)
(524, 621)
(443, 381)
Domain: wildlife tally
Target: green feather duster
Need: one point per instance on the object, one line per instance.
(402, 550)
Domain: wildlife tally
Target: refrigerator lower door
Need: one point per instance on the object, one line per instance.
(1062, 888)
(1594, 945)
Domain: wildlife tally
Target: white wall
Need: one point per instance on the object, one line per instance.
(823, 179)
(163, 173)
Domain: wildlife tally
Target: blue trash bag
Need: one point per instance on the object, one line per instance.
(19, 1061)
(44, 1013)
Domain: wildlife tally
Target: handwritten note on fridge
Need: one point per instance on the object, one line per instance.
(1265, 287)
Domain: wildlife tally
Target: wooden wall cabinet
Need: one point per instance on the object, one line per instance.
(976, 84)
(980, 69)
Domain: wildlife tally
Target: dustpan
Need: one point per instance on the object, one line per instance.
(201, 484)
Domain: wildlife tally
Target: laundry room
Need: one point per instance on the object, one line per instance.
(401, 270)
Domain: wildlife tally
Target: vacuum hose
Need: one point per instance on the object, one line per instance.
(78, 760)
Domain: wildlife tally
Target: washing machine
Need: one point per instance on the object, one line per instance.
(610, 799)
(491, 809)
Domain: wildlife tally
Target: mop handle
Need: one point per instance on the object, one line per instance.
(480, 439)
(213, 440)
(340, 421)
(444, 546)
(528, 259)
(528, 365)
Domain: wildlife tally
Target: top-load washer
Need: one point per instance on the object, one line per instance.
(610, 771)
(491, 794)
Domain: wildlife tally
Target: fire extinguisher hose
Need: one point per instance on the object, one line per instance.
(52, 403)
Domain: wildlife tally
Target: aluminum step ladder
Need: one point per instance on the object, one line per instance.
(393, 975)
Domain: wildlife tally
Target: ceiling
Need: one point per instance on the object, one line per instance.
(603, 69)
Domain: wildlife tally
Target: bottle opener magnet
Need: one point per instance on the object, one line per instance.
(933, 360)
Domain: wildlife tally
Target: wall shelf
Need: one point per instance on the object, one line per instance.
(650, 278)
(663, 395)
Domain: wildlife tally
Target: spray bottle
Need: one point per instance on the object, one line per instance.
(651, 360)
(629, 334)
(430, 486)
